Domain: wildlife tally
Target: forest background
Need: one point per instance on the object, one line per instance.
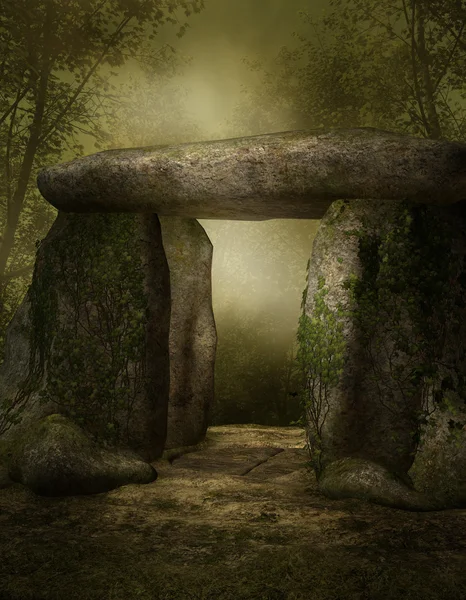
(80, 76)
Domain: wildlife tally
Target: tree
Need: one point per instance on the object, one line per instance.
(57, 65)
(152, 112)
(397, 66)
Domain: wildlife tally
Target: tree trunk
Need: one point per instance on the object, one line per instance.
(433, 126)
(15, 205)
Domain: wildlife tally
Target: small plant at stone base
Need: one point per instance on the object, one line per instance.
(321, 359)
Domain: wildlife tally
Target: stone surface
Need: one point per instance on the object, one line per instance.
(373, 419)
(193, 337)
(439, 467)
(367, 480)
(103, 288)
(241, 461)
(355, 422)
(54, 457)
(293, 174)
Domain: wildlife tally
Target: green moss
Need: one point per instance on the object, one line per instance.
(93, 345)
(409, 289)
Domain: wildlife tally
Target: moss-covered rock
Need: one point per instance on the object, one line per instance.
(439, 468)
(382, 347)
(54, 457)
(90, 340)
(367, 480)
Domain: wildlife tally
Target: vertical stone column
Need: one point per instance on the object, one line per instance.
(149, 418)
(193, 337)
(90, 340)
(439, 468)
(362, 433)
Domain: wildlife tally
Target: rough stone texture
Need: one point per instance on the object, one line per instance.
(193, 337)
(439, 467)
(366, 419)
(144, 426)
(293, 174)
(16, 364)
(54, 457)
(367, 480)
(355, 422)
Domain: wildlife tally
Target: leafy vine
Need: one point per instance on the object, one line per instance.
(88, 316)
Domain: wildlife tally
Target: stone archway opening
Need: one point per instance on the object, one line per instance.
(258, 277)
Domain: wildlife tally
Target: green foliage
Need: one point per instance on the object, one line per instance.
(366, 63)
(407, 294)
(406, 305)
(255, 375)
(321, 357)
(88, 323)
(59, 62)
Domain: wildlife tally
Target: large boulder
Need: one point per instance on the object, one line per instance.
(295, 174)
(54, 457)
(365, 479)
(380, 337)
(90, 340)
(193, 337)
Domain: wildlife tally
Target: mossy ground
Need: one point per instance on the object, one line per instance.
(203, 532)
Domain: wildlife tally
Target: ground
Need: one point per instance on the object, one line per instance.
(239, 518)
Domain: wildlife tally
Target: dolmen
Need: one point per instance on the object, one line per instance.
(117, 333)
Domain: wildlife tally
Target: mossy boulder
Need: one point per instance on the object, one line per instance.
(90, 340)
(367, 480)
(110, 312)
(55, 457)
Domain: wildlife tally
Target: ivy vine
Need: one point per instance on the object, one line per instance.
(408, 299)
(88, 314)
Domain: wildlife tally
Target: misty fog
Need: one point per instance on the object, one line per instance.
(213, 70)
(258, 271)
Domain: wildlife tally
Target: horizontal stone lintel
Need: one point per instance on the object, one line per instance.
(294, 174)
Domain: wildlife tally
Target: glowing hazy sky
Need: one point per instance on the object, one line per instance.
(220, 36)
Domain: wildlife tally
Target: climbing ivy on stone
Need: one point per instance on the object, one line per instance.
(321, 359)
(42, 296)
(88, 315)
(408, 292)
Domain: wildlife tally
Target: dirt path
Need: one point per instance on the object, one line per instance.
(240, 518)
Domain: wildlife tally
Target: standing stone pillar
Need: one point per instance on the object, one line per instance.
(193, 337)
(377, 312)
(90, 340)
